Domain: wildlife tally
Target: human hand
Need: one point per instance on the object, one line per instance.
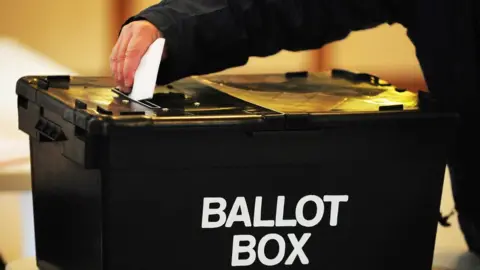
(133, 42)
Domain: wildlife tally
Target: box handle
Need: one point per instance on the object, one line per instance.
(49, 131)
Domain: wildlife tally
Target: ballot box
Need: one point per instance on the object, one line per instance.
(331, 171)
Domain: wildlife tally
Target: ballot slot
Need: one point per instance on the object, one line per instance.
(146, 103)
(193, 99)
(161, 104)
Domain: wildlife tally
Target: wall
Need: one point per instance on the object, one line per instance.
(139, 5)
(73, 33)
(385, 51)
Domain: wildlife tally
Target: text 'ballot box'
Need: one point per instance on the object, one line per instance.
(285, 171)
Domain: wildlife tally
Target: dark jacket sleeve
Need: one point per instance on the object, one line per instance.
(206, 36)
(446, 35)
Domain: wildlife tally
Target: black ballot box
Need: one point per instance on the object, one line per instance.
(331, 171)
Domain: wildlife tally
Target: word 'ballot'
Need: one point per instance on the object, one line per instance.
(215, 216)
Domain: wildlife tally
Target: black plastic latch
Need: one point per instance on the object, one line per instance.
(132, 113)
(43, 84)
(397, 107)
(300, 74)
(61, 82)
(104, 111)
(80, 105)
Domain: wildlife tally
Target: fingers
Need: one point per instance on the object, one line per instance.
(119, 79)
(113, 57)
(117, 57)
(133, 54)
(127, 53)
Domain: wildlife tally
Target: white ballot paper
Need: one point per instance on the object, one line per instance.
(146, 75)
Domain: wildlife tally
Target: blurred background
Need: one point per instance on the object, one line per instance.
(75, 37)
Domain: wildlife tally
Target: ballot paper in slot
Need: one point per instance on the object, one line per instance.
(144, 82)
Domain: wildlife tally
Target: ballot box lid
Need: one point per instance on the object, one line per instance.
(260, 101)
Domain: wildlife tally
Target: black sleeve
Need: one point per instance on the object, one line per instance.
(446, 35)
(206, 36)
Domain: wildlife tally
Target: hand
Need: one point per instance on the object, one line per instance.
(133, 42)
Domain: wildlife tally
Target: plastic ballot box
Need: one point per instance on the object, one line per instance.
(332, 171)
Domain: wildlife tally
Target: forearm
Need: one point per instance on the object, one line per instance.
(202, 36)
(205, 36)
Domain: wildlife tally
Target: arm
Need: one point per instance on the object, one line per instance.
(446, 36)
(205, 36)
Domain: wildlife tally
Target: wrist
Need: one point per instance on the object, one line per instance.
(156, 34)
